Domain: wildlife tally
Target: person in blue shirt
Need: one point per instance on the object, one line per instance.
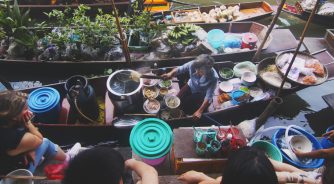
(197, 94)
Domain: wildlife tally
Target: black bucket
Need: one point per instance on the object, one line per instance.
(80, 93)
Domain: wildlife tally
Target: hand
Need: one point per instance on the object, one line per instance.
(329, 135)
(298, 153)
(166, 76)
(26, 117)
(193, 177)
(30, 157)
(197, 115)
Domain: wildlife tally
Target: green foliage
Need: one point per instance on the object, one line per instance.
(2, 34)
(182, 33)
(79, 28)
(15, 24)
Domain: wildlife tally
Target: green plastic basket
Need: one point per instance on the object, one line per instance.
(271, 150)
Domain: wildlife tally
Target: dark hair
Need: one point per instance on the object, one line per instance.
(11, 105)
(248, 165)
(328, 174)
(203, 60)
(100, 165)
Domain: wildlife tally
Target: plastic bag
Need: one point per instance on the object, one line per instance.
(55, 171)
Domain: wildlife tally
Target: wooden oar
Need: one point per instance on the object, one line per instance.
(24, 177)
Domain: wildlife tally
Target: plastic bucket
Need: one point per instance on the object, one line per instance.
(271, 151)
(315, 163)
(326, 143)
(18, 172)
(45, 104)
(151, 139)
(216, 38)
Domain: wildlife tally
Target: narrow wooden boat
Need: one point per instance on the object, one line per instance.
(115, 124)
(10, 67)
(248, 11)
(37, 8)
(298, 11)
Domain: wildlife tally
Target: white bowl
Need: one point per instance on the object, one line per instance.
(226, 86)
(177, 101)
(148, 109)
(301, 143)
(248, 78)
(155, 89)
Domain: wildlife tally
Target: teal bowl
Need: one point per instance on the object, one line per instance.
(269, 149)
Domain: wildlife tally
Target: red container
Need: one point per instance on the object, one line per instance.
(249, 40)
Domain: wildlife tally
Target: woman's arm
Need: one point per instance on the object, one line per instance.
(147, 173)
(196, 177)
(33, 130)
(321, 153)
(28, 143)
(279, 166)
(199, 112)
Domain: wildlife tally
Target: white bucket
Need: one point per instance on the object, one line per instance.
(18, 172)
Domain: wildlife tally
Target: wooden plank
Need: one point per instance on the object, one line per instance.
(283, 39)
(329, 99)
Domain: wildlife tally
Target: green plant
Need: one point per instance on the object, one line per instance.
(2, 34)
(15, 24)
(183, 33)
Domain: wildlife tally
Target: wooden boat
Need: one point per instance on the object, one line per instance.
(10, 67)
(298, 11)
(248, 11)
(37, 8)
(111, 128)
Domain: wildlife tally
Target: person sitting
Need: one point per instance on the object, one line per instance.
(22, 146)
(105, 165)
(246, 165)
(249, 165)
(197, 94)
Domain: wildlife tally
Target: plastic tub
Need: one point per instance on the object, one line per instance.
(151, 139)
(216, 38)
(315, 163)
(272, 151)
(18, 172)
(325, 143)
(45, 104)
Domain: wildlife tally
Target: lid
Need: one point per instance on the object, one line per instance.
(151, 138)
(43, 99)
(249, 38)
(124, 82)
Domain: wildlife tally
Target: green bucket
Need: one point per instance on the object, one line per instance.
(151, 139)
(269, 149)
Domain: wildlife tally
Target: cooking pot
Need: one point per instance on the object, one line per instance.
(124, 89)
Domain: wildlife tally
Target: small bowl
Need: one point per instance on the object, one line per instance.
(163, 91)
(165, 83)
(153, 89)
(226, 86)
(148, 109)
(226, 73)
(175, 98)
(248, 78)
(235, 95)
(150, 82)
(301, 143)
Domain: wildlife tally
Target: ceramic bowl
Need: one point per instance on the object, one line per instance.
(169, 99)
(226, 86)
(248, 78)
(148, 108)
(150, 92)
(301, 143)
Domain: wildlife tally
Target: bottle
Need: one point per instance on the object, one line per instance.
(225, 144)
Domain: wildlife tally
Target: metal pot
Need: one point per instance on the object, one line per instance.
(123, 90)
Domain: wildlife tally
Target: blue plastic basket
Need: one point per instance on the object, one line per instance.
(316, 163)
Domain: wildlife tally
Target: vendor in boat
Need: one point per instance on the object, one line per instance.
(197, 94)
